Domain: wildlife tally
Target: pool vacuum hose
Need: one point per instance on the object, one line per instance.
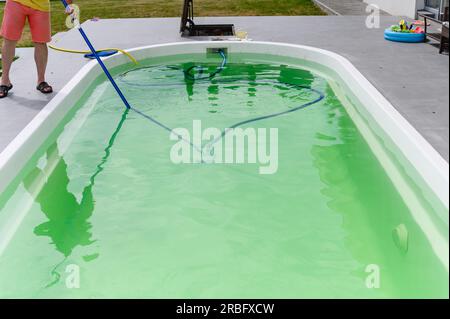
(188, 75)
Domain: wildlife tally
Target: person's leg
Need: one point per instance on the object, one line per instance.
(41, 58)
(41, 35)
(8, 54)
(14, 19)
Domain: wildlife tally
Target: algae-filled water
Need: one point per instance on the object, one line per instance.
(103, 211)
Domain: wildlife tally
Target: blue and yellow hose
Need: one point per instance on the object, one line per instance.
(132, 59)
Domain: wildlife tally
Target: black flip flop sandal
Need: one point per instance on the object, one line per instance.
(4, 90)
(44, 88)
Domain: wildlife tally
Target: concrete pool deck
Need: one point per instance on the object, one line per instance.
(414, 78)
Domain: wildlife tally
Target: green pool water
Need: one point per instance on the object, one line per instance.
(103, 199)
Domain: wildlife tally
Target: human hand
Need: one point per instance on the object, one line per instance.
(69, 10)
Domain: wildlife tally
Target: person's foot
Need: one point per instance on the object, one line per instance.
(4, 90)
(44, 88)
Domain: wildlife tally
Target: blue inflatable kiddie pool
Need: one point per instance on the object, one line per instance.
(404, 37)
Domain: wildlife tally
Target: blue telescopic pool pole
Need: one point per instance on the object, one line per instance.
(97, 57)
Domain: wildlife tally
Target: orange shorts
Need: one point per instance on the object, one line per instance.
(14, 20)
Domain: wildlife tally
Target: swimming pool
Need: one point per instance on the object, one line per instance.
(355, 203)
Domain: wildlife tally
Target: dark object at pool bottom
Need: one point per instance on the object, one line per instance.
(189, 28)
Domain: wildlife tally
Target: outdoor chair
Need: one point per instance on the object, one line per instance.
(441, 33)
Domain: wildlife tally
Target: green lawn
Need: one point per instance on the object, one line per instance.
(172, 8)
